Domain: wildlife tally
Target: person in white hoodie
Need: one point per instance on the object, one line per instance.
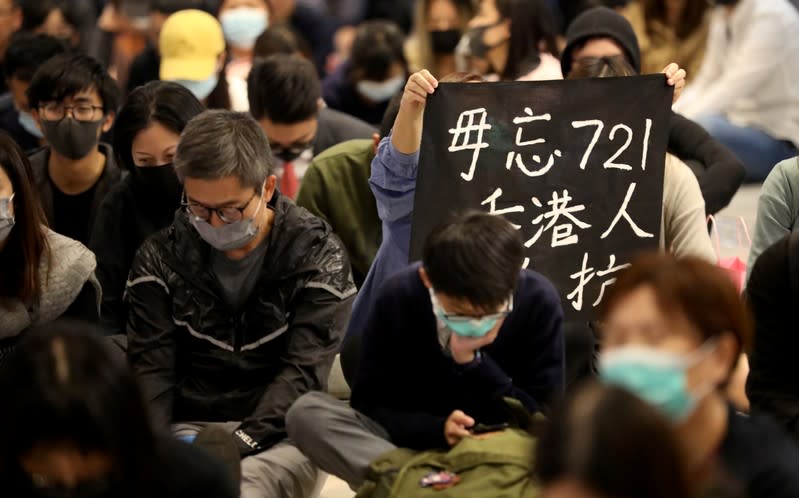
(747, 92)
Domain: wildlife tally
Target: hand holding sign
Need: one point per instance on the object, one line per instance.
(407, 133)
(418, 87)
(675, 77)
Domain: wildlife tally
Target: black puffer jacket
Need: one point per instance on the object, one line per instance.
(198, 360)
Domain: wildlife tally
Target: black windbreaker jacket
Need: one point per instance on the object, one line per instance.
(199, 360)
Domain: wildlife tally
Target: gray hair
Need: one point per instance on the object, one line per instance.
(217, 144)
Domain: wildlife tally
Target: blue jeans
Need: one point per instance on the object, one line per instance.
(758, 150)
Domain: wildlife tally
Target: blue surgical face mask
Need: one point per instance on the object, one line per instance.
(380, 91)
(29, 124)
(243, 25)
(200, 89)
(229, 236)
(6, 219)
(468, 326)
(658, 377)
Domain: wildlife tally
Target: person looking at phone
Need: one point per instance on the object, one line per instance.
(445, 342)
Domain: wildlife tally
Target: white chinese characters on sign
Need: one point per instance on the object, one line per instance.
(561, 220)
(469, 136)
(516, 157)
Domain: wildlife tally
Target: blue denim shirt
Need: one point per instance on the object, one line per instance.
(393, 183)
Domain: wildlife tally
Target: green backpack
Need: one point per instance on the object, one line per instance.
(496, 466)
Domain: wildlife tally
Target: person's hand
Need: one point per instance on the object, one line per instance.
(675, 77)
(419, 86)
(463, 348)
(457, 427)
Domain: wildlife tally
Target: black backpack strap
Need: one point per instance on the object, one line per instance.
(793, 261)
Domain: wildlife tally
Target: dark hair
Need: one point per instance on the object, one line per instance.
(172, 6)
(26, 52)
(377, 45)
(602, 67)
(35, 12)
(68, 74)
(164, 102)
(476, 257)
(69, 386)
(692, 17)
(220, 95)
(20, 258)
(702, 292)
(532, 29)
(614, 444)
(278, 39)
(390, 116)
(284, 88)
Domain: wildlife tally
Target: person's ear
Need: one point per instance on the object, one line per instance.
(220, 62)
(425, 278)
(320, 103)
(269, 188)
(375, 142)
(108, 122)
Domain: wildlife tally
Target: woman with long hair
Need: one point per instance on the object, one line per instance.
(438, 26)
(512, 40)
(43, 275)
(146, 136)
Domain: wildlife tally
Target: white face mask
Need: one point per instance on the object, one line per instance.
(380, 91)
(200, 89)
(243, 25)
(230, 236)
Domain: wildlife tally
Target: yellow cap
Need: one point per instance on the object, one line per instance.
(190, 44)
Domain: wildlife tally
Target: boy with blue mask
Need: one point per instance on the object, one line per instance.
(673, 331)
(25, 54)
(445, 342)
(192, 51)
(73, 100)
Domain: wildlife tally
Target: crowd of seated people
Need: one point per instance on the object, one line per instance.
(206, 227)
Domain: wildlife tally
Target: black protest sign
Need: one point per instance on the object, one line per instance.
(577, 166)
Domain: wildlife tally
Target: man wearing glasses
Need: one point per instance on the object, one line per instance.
(239, 307)
(443, 344)
(73, 100)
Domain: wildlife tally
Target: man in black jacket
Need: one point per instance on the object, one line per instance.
(239, 307)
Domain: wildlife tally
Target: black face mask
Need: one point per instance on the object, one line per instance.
(444, 42)
(161, 185)
(477, 45)
(71, 138)
(289, 154)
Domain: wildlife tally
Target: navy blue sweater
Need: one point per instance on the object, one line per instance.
(410, 386)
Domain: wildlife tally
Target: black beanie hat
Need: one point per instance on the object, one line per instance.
(601, 22)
